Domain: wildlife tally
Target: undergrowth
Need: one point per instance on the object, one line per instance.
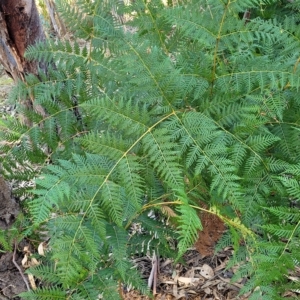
(163, 109)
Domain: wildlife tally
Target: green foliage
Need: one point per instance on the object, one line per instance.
(21, 228)
(161, 106)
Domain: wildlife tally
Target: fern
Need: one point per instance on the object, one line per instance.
(164, 108)
(46, 294)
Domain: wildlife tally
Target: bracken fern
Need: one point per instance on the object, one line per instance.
(162, 109)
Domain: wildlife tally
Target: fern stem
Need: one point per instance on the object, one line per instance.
(213, 75)
(157, 30)
(143, 209)
(147, 206)
(234, 223)
(289, 240)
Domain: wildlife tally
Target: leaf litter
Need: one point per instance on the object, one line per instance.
(203, 275)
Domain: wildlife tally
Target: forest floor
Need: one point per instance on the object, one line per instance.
(11, 282)
(201, 275)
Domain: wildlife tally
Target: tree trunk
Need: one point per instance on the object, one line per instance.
(55, 20)
(20, 27)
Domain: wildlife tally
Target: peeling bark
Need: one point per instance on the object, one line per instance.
(20, 27)
(56, 22)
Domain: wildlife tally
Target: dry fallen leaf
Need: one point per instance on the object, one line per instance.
(32, 282)
(34, 262)
(26, 249)
(207, 272)
(24, 261)
(216, 297)
(188, 280)
(210, 283)
(41, 248)
(27, 260)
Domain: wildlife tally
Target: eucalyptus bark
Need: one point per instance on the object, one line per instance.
(20, 27)
(55, 20)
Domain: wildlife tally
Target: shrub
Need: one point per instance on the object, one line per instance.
(162, 108)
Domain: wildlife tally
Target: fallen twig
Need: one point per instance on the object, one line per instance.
(18, 267)
(152, 280)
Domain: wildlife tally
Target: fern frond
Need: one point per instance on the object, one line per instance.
(132, 117)
(163, 155)
(45, 294)
(4, 241)
(108, 285)
(188, 227)
(164, 105)
(133, 183)
(189, 224)
(284, 213)
(42, 205)
(113, 201)
(117, 239)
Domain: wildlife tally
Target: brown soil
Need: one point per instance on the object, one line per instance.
(213, 229)
(9, 208)
(11, 282)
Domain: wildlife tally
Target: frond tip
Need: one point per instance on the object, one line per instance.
(189, 225)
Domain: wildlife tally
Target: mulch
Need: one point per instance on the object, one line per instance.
(197, 278)
(203, 275)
